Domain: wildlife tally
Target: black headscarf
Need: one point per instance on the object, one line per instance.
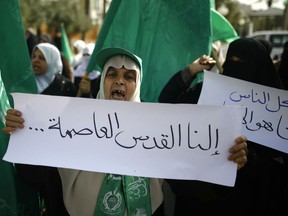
(254, 63)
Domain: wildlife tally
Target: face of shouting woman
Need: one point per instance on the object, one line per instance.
(119, 83)
(121, 75)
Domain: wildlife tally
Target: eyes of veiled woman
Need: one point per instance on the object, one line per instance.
(236, 59)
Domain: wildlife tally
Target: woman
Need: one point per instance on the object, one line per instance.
(66, 68)
(84, 191)
(263, 181)
(92, 193)
(260, 184)
(47, 66)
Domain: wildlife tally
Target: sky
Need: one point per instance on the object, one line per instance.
(261, 4)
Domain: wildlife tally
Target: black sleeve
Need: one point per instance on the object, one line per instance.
(199, 190)
(176, 91)
(61, 86)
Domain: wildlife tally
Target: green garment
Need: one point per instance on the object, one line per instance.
(120, 192)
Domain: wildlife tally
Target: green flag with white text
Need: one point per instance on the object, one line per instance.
(15, 76)
(168, 35)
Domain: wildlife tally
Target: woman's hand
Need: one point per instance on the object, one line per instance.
(85, 85)
(203, 63)
(14, 120)
(239, 152)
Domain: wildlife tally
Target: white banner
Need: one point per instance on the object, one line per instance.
(176, 141)
(265, 120)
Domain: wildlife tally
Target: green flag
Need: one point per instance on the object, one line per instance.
(166, 34)
(65, 44)
(222, 28)
(15, 76)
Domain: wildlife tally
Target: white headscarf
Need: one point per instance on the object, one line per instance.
(54, 62)
(83, 63)
(79, 45)
(119, 61)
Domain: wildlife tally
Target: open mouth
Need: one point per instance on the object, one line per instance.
(35, 67)
(118, 94)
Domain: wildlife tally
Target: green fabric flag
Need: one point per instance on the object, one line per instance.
(65, 44)
(15, 76)
(168, 35)
(212, 2)
(222, 28)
